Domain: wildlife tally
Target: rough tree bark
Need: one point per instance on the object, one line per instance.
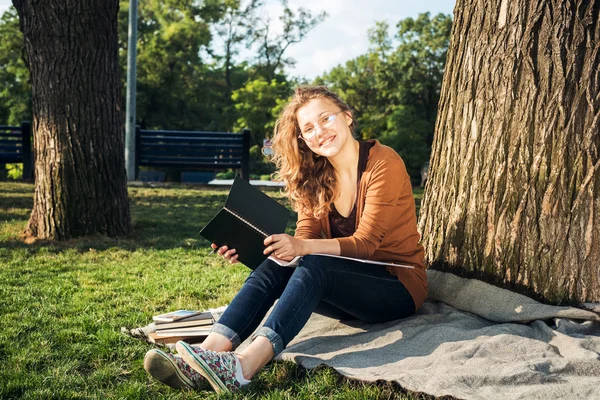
(514, 185)
(80, 179)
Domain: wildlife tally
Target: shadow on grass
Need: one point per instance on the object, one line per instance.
(162, 218)
(16, 187)
(10, 216)
(15, 202)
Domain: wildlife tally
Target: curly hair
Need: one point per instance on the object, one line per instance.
(309, 179)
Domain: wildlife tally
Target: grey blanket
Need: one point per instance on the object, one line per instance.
(470, 340)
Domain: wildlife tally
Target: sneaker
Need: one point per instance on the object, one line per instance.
(172, 370)
(219, 369)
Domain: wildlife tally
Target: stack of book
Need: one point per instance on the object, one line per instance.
(187, 325)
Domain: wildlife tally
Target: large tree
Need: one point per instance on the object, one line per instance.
(80, 181)
(514, 184)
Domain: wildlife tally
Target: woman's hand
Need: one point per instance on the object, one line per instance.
(284, 246)
(228, 254)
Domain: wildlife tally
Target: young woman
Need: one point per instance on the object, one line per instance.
(353, 198)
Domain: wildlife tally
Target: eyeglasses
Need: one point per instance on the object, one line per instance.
(325, 122)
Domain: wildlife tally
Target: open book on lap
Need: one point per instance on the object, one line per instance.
(247, 218)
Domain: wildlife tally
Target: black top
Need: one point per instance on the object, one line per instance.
(346, 226)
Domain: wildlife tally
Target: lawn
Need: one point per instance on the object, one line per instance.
(62, 305)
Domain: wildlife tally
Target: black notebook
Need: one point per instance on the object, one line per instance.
(247, 218)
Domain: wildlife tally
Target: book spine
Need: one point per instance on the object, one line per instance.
(161, 327)
(238, 216)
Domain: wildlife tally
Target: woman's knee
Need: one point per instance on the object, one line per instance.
(315, 267)
(269, 274)
(314, 261)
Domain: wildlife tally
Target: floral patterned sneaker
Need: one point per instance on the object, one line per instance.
(171, 370)
(218, 368)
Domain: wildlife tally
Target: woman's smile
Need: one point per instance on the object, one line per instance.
(326, 141)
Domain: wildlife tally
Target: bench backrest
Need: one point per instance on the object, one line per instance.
(15, 147)
(193, 150)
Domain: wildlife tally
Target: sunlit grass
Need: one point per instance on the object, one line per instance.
(62, 304)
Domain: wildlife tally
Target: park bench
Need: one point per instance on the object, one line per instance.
(15, 147)
(193, 150)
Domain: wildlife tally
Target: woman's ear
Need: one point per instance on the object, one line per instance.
(349, 118)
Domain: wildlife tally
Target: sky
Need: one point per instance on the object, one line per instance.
(343, 34)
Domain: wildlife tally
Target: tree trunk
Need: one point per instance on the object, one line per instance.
(513, 192)
(80, 179)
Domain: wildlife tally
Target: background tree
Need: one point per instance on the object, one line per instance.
(272, 47)
(514, 186)
(80, 185)
(190, 58)
(235, 28)
(254, 104)
(15, 91)
(395, 87)
(194, 73)
(172, 79)
(258, 105)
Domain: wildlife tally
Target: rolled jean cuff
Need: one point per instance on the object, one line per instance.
(272, 336)
(228, 333)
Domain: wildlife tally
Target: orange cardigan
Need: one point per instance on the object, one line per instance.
(386, 222)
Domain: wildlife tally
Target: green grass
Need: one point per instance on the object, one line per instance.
(62, 304)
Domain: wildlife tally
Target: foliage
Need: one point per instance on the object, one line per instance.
(395, 87)
(190, 76)
(229, 174)
(171, 78)
(258, 104)
(15, 89)
(271, 49)
(14, 171)
(187, 59)
(63, 304)
(254, 104)
(236, 28)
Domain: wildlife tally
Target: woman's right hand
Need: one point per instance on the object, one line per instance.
(228, 254)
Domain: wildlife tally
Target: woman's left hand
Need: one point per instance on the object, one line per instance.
(284, 246)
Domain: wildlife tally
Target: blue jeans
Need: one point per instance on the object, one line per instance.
(364, 291)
